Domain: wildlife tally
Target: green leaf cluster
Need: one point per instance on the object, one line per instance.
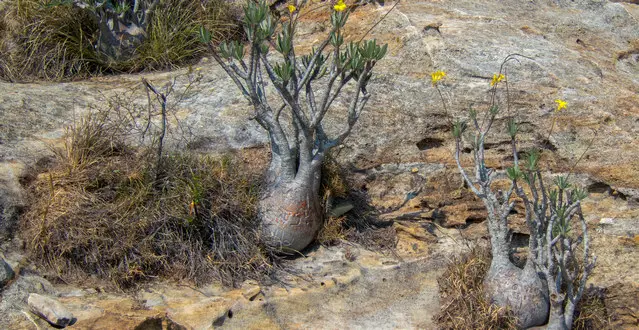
(338, 19)
(284, 71)
(258, 21)
(459, 127)
(233, 49)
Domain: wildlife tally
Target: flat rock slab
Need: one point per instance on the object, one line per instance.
(51, 310)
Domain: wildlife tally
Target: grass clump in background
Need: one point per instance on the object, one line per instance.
(55, 40)
(99, 210)
(45, 42)
(463, 305)
(174, 39)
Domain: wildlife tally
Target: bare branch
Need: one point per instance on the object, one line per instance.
(238, 71)
(311, 65)
(326, 102)
(231, 74)
(286, 96)
(310, 100)
(470, 183)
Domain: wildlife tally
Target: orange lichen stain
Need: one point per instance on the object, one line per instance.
(629, 241)
(297, 210)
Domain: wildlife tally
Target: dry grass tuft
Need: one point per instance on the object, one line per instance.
(334, 183)
(334, 187)
(591, 312)
(333, 231)
(101, 211)
(45, 42)
(461, 293)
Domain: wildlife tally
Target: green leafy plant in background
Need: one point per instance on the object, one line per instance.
(553, 279)
(62, 39)
(122, 25)
(290, 207)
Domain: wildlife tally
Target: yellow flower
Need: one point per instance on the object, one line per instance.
(437, 76)
(414, 170)
(192, 208)
(340, 6)
(291, 9)
(561, 104)
(497, 78)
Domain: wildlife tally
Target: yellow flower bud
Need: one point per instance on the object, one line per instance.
(497, 78)
(437, 76)
(340, 6)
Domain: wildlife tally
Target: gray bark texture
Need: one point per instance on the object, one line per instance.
(120, 32)
(291, 212)
(519, 289)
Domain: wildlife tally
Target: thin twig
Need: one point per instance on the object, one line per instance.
(376, 23)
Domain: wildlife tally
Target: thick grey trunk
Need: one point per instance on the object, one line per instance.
(290, 210)
(506, 285)
(520, 289)
(557, 320)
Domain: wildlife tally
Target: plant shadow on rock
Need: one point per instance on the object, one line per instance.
(349, 213)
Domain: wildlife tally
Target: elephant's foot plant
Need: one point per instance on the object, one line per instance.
(552, 280)
(555, 247)
(290, 207)
(122, 25)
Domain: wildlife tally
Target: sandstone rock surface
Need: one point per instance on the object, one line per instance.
(400, 154)
(322, 291)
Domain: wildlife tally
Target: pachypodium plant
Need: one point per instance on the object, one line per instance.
(122, 25)
(552, 281)
(505, 284)
(560, 253)
(304, 88)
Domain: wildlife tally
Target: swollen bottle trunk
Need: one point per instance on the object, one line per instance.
(521, 290)
(290, 211)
